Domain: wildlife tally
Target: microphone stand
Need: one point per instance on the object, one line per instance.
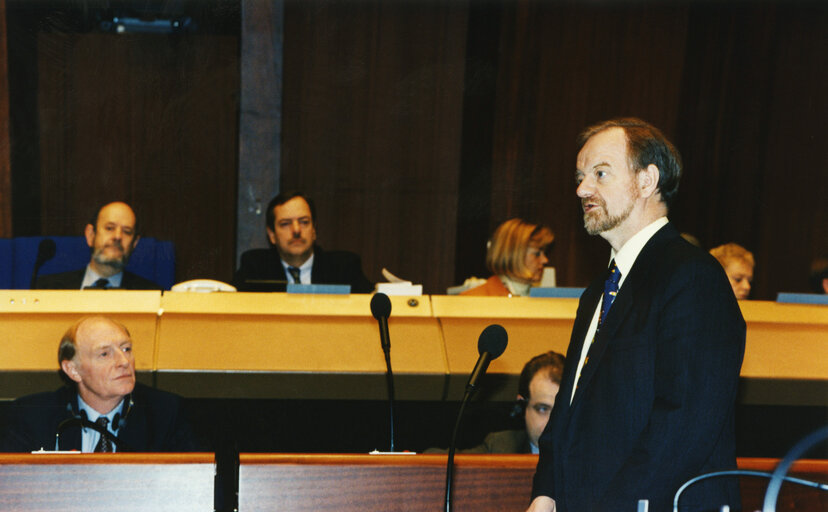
(452, 448)
(389, 377)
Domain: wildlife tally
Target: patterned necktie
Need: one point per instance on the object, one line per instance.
(610, 291)
(104, 444)
(294, 273)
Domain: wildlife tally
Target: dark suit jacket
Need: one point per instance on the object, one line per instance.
(72, 281)
(329, 267)
(655, 403)
(504, 441)
(154, 423)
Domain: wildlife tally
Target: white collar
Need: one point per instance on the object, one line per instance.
(625, 258)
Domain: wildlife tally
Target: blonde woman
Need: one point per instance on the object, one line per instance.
(516, 256)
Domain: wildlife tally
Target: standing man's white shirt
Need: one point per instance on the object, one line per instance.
(624, 259)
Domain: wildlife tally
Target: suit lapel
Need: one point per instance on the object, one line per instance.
(586, 309)
(640, 273)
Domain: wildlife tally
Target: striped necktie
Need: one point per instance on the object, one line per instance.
(104, 444)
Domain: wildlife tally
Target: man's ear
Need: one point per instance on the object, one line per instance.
(271, 235)
(89, 233)
(70, 369)
(648, 180)
(135, 241)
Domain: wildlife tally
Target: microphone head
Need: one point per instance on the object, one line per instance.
(46, 250)
(493, 340)
(380, 305)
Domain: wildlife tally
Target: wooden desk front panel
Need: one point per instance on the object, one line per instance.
(384, 483)
(34, 322)
(114, 482)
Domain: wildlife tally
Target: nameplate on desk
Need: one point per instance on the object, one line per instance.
(802, 298)
(319, 289)
(558, 292)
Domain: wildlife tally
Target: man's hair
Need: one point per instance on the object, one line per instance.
(93, 219)
(819, 271)
(645, 145)
(506, 254)
(550, 362)
(67, 349)
(282, 198)
(730, 252)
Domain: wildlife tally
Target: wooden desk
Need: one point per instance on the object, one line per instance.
(384, 483)
(791, 496)
(115, 482)
(35, 320)
(417, 483)
(291, 345)
(276, 345)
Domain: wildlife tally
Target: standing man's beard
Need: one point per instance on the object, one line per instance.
(597, 224)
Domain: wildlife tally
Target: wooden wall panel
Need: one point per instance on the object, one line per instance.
(149, 119)
(372, 126)
(5, 145)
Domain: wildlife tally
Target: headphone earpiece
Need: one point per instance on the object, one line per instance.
(518, 408)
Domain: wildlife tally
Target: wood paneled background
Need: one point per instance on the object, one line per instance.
(419, 126)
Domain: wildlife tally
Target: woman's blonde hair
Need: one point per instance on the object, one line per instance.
(729, 252)
(506, 254)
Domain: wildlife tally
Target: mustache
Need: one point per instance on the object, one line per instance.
(594, 201)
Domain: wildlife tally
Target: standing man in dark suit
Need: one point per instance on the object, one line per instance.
(648, 393)
(294, 256)
(96, 361)
(111, 239)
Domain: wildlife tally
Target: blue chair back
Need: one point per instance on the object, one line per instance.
(152, 259)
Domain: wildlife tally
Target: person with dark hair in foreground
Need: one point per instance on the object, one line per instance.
(538, 386)
(96, 361)
(294, 256)
(649, 389)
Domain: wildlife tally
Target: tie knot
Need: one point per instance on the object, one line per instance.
(102, 421)
(100, 284)
(615, 274)
(294, 273)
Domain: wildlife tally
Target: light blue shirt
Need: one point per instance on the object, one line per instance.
(304, 271)
(90, 437)
(91, 276)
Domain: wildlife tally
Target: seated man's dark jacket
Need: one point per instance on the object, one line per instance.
(329, 267)
(154, 423)
(504, 441)
(72, 281)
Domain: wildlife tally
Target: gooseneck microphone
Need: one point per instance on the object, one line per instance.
(45, 251)
(490, 346)
(381, 309)
(82, 421)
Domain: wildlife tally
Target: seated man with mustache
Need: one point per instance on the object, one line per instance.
(294, 256)
(111, 240)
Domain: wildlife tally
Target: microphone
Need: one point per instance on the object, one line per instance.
(381, 309)
(82, 421)
(45, 251)
(490, 346)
